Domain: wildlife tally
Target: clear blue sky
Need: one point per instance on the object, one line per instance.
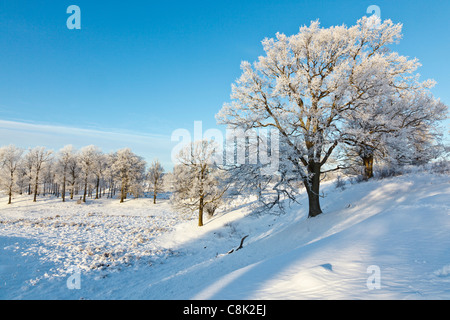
(142, 69)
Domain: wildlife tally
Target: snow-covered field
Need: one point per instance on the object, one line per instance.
(394, 233)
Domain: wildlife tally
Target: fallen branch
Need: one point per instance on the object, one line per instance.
(242, 242)
(240, 246)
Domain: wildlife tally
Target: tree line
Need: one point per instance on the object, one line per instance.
(67, 173)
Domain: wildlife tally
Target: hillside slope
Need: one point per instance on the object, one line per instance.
(399, 227)
(393, 232)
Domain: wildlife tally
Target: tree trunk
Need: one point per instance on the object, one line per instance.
(200, 212)
(313, 189)
(85, 189)
(122, 192)
(314, 203)
(64, 189)
(11, 187)
(72, 190)
(96, 187)
(36, 186)
(368, 166)
(154, 197)
(110, 190)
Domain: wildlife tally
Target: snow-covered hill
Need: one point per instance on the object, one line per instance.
(383, 239)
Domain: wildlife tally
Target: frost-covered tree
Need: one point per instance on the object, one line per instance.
(136, 185)
(196, 182)
(38, 157)
(66, 166)
(22, 178)
(306, 85)
(74, 172)
(27, 165)
(10, 157)
(49, 181)
(99, 169)
(155, 178)
(110, 173)
(396, 122)
(88, 157)
(130, 169)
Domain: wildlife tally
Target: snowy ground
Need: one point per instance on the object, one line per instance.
(136, 250)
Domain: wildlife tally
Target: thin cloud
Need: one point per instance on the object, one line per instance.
(27, 135)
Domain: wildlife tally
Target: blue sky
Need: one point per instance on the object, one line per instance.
(138, 70)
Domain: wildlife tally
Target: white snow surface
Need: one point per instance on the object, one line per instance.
(137, 250)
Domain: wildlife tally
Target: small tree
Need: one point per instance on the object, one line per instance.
(66, 159)
(39, 156)
(110, 172)
(155, 178)
(99, 168)
(74, 170)
(129, 168)
(87, 158)
(196, 182)
(27, 164)
(10, 157)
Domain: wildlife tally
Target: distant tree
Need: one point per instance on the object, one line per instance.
(39, 156)
(74, 171)
(110, 173)
(10, 157)
(66, 160)
(99, 168)
(87, 158)
(27, 165)
(155, 178)
(129, 168)
(48, 174)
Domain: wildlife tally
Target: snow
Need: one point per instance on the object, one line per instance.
(399, 226)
